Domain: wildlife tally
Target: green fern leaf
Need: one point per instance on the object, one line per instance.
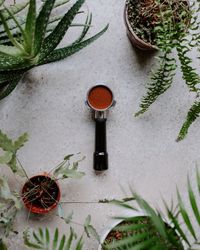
(161, 80)
(189, 73)
(192, 115)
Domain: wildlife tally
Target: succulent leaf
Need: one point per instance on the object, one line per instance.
(30, 26)
(54, 38)
(62, 53)
(41, 24)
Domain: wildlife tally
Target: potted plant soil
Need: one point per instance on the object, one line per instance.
(40, 194)
(142, 17)
(176, 228)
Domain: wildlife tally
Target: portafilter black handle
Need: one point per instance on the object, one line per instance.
(100, 154)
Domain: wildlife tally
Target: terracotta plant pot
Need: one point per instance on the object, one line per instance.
(41, 194)
(134, 39)
(138, 42)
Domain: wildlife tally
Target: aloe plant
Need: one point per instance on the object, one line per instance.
(32, 40)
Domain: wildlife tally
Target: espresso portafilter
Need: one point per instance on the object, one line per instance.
(100, 99)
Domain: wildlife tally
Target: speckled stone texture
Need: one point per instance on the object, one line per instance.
(49, 104)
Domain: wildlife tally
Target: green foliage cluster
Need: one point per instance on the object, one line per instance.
(177, 31)
(11, 202)
(41, 240)
(32, 40)
(181, 233)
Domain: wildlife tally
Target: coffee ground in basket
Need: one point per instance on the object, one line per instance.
(100, 97)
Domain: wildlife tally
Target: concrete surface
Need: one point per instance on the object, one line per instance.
(49, 104)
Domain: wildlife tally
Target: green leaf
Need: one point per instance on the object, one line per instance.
(160, 82)
(10, 87)
(62, 243)
(8, 62)
(6, 158)
(6, 143)
(62, 53)
(67, 170)
(68, 157)
(47, 238)
(70, 239)
(52, 40)
(6, 194)
(193, 202)
(41, 24)
(192, 115)
(10, 50)
(1, 2)
(8, 32)
(2, 245)
(30, 26)
(21, 141)
(185, 216)
(14, 9)
(91, 231)
(55, 239)
(79, 245)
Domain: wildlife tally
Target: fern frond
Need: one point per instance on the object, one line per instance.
(190, 74)
(161, 80)
(192, 115)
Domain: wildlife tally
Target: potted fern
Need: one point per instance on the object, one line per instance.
(32, 40)
(170, 230)
(40, 194)
(166, 26)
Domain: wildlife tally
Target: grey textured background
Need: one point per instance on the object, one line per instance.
(49, 105)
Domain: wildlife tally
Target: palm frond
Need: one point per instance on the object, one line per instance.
(177, 231)
(41, 240)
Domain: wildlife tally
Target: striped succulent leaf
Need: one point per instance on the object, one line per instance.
(51, 41)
